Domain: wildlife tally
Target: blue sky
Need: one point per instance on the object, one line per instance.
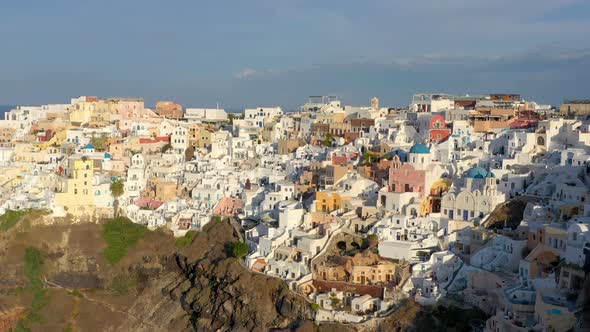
(277, 52)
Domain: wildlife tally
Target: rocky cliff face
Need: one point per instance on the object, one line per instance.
(156, 287)
(216, 292)
(197, 288)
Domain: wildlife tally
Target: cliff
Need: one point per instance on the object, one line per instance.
(155, 287)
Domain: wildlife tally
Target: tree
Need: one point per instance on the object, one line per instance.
(99, 142)
(328, 140)
(117, 190)
(240, 250)
(368, 158)
(334, 301)
(230, 118)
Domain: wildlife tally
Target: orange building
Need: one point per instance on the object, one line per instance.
(169, 110)
(328, 201)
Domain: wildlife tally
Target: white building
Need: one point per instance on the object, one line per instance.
(262, 115)
(205, 115)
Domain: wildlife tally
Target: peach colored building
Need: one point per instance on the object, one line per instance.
(363, 268)
(130, 108)
(229, 206)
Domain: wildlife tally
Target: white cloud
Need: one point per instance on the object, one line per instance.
(251, 73)
(245, 73)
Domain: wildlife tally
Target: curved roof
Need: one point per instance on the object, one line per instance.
(107, 155)
(478, 172)
(89, 146)
(420, 148)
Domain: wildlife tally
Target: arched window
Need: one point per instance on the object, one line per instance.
(540, 140)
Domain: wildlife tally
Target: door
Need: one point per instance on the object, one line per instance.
(451, 214)
(465, 215)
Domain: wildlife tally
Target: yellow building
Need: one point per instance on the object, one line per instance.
(80, 116)
(99, 111)
(76, 183)
(328, 201)
(432, 203)
(384, 272)
(199, 136)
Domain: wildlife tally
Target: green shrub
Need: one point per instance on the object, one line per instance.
(186, 240)
(33, 271)
(11, 218)
(237, 249)
(315, 306)
(121, 234)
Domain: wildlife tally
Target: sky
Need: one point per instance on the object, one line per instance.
(277, 52)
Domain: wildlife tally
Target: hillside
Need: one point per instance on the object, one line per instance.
(71, 286)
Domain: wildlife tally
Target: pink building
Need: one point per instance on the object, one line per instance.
(405, 178)
(130, 108)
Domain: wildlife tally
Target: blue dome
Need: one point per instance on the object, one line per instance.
(89, 146)
(420, 148)
(478, 172)
(107, 155)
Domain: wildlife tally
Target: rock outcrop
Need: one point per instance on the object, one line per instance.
(198, 288)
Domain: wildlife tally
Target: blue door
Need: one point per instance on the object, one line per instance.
(465, 215)
(451, 214)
